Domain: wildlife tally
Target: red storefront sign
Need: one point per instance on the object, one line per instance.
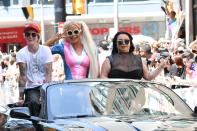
(11, 35)
(104, 30)
(60, 27)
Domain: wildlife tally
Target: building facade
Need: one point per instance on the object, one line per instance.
(143, 17)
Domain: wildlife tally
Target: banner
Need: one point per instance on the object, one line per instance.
(11, 35)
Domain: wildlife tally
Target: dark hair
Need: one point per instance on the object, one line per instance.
(178, 60)
(146, 48)
(104, 45)
(115, 49)
(173, 13)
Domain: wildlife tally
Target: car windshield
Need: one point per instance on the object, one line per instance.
(138, 98)
(113, 98)
(68, 101)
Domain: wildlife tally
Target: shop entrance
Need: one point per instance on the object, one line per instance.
(14, 47)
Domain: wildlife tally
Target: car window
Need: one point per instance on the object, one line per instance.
(158, 102)
(68, 100)
(109, 98)
(125, 97)
(122, 100)
(135, 98)
(99, 96)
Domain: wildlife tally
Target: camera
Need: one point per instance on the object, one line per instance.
(164, 55)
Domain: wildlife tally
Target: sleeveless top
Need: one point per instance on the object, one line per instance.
(127, 66)
(78, 64)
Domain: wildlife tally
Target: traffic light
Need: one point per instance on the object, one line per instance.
(28, 12)
(78, 6)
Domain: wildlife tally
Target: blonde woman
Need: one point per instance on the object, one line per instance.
(78, 51)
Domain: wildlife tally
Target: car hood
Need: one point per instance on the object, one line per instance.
(147, 122)
(125, 123)
(89, 124)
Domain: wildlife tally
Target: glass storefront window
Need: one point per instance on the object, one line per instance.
(195, 2)
(50, 2)
(33, 1)
(4, 2)
(15, 2)
(195, 17)
(130, 0)
(195, 23)
(107, 1)
(103, 1)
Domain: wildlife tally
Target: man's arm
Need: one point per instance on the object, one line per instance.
(22, 78)
(51, 41)
(166, 8)
(48, 70)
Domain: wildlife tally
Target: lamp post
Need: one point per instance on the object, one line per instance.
(42, 22)
(60, 15)
(115, 16)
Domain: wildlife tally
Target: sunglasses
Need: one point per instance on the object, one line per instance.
(180, 52)
(123, 42)
(27, 34)
(194, 51)
(74, 32)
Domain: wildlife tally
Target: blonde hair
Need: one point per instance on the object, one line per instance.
(89, 46)
(67, 24)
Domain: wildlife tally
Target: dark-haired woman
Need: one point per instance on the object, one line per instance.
(124, 64)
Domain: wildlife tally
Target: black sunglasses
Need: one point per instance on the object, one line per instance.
(123, 42)
(27, 34)
(74, 32)
(180, 52)
(194, 51)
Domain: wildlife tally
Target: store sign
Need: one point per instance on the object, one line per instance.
(60, 27)
(104, 30)
(11, 35)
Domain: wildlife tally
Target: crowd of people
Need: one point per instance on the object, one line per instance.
(74, 55)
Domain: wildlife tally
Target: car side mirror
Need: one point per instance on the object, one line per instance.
(195, 110)
(20, 113)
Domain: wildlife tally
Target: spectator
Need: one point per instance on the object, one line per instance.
(11, 79)
(137, 49)
(35, 67)
(193, 46)
(145, 52)
(179, 68)
(189, 61)
(103, 51)
(180, 50)
(124, 64)
(171, 20)
(58, 69)
(78, 51)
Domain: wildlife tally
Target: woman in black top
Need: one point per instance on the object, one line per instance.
(124, 64)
